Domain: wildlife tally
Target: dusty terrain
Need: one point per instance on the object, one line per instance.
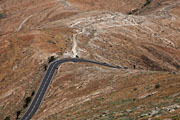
(140, 34)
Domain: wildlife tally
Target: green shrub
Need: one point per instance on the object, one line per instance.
(32, 94)
(7, 118)
(17, 114)
(27, 101)
(1, 16)
(157, 85)
(50, 59)
(147, 3)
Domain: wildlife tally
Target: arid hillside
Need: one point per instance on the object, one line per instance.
(141, 36)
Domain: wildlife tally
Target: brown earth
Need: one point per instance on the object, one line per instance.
(120, 32)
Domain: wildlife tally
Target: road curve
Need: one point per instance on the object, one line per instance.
(40, 93)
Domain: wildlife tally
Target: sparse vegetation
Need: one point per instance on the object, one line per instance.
(137, 10)
(32, 94)
(134, 66)
(17, 114)
(1, 16)
(50, 59)
(125, 67)
(175, 117)
(157, 86)
(51, 42)
(133, 11)
(134, 89)
(45, 67)
(147, 3)
(7, 118)
(105, 34)
(27, 101)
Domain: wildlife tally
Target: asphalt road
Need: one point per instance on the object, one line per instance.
(40, 93)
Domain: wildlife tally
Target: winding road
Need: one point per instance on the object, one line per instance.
(40, 93)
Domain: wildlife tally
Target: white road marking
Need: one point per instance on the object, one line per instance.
(41, 92)
(55, 63)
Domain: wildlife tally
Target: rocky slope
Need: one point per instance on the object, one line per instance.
(140, 35)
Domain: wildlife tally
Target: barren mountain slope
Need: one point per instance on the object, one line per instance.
(135, 34)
